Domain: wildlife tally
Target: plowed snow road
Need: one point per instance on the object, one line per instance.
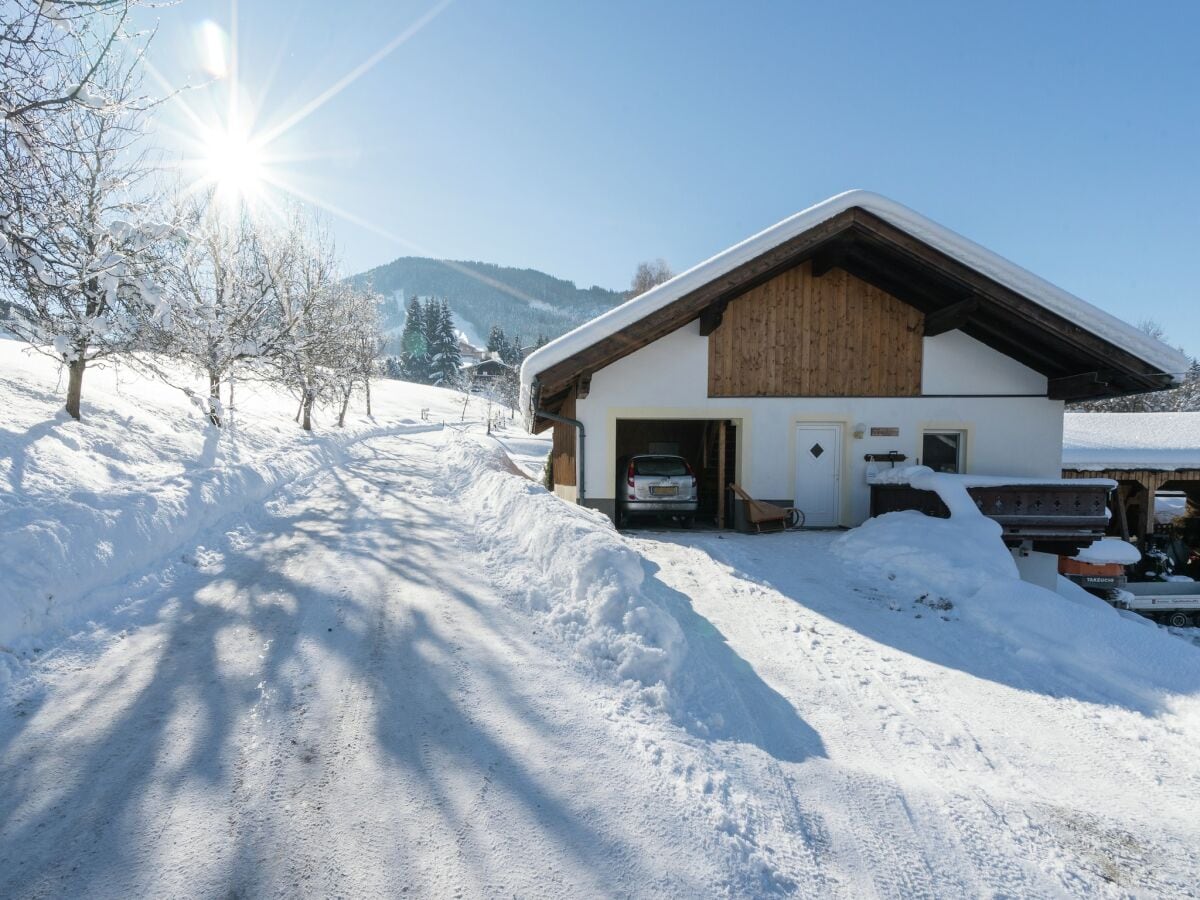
(335, 696)
(333, 701)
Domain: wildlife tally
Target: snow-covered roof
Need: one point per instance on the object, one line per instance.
(1163, 441)
(982, 260)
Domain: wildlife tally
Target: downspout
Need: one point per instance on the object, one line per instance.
(555, 417)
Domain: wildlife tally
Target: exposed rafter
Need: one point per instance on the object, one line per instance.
(950, 317)
(828, 257)
(710, 319)
(1078, 387)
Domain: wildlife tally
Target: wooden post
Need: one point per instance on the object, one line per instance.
(1146, 524)
(721, 475)
(1142, 511)
(1122, 518)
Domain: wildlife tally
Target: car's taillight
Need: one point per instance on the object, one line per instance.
(629, 476)
(693, 474)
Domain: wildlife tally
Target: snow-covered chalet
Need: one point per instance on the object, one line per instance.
(854, 335)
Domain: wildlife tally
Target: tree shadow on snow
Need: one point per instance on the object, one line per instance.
(1036, 643)
(723, 697)
(208, 742)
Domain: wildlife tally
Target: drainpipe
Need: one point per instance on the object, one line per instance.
(555, 417)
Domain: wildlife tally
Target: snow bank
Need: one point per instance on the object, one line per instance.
(1077, 636)
(920, 554)
(84, 505)
(568, 564)
(950, 558)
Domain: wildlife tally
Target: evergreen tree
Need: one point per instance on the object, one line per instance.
(445, 358)
(414, 344)
(512, 353)
(392, 369)
(497, 342)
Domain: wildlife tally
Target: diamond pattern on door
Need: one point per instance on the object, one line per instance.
(816, 450)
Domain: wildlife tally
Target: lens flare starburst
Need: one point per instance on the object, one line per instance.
(233, 163)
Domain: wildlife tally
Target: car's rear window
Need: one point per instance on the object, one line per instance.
(659, 465)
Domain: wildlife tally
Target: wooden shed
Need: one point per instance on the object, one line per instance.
(1145, 453)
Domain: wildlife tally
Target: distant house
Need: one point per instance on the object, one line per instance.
(1144, 453)
(849, 336)
(486, 372)
(469, 352)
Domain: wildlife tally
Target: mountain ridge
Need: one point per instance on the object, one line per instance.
(524, 302)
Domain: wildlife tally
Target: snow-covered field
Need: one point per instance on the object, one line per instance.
(83, 505)
(384, 661)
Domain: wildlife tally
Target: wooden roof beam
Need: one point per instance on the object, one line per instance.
(827, 258)
(1070, 333)
(1078, 387)
(950, 317)
(710, 318)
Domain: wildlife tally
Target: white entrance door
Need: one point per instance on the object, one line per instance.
(819, 473)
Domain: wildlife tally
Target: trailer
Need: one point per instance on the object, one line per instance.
(1174, 603)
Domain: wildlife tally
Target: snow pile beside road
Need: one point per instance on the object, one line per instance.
(567, 563)
(911, 556)
(950, 559)
(85, 505)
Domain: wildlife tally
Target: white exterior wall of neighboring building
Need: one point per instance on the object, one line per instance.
(970, 388)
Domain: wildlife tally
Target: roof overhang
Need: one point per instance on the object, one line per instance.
(1083, 352)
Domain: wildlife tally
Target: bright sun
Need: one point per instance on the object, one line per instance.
(233, 164)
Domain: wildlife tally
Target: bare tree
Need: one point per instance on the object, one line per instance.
(311, 308)
(79, 235)
(648, 275)
(1153, 328)
(358, 343)
(222, 286)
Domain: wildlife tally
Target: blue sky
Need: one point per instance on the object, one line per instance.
(580, 138)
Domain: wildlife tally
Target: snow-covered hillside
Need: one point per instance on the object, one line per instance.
(384, 660)
(86, 504)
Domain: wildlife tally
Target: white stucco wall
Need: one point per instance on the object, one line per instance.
(956, 363)
(669, 379)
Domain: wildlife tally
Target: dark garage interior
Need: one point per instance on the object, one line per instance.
(699, 441)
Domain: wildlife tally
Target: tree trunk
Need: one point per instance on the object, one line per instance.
(342, 413)
(299, 410)
(75, 385)
(214, 397)
(368, 396)
(306, 406)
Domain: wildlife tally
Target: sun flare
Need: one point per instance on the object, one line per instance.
(233, 163)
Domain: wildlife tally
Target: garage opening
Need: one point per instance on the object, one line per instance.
(708, 445)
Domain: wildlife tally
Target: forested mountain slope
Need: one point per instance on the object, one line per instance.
(523, 302)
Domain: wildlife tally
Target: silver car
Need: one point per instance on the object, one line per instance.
(656, 484)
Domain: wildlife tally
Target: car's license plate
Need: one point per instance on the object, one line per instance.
(664, 490)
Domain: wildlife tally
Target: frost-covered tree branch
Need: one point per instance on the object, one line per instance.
(79, 231)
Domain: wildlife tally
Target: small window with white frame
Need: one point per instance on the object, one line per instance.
(943, 451)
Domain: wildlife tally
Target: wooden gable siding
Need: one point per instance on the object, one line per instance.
(563, 449)
(802, 336)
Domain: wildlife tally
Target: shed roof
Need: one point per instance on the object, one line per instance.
(1093, 442)
(1085, 351)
